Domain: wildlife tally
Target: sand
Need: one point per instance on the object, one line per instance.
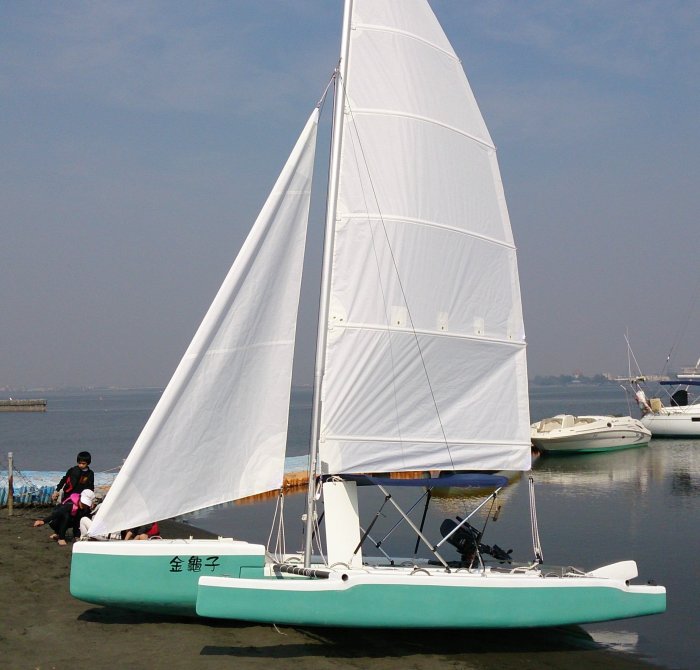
(43, 627)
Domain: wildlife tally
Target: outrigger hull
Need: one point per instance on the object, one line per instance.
(157, 576)
(372, 599)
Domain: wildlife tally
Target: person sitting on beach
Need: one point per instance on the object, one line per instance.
(77, 479)
(68, 515)
(142, 532)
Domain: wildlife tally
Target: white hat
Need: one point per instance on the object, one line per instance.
(87, 497)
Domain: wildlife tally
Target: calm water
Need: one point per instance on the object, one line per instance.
(593, 509)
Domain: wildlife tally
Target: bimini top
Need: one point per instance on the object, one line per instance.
(468, 480)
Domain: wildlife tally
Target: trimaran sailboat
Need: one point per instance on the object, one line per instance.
(420, 367)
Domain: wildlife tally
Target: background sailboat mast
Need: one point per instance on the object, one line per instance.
(331, 207)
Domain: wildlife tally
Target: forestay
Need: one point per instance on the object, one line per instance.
(425, 359)
(219, 430)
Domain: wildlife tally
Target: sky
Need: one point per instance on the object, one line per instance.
(138, 140)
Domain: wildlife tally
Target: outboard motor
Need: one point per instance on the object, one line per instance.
(467, 541)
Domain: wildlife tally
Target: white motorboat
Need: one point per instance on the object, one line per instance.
(566, 433)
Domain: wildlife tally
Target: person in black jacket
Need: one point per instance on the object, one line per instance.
(77, 479)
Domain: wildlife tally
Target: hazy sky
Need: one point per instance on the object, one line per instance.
(139, 139)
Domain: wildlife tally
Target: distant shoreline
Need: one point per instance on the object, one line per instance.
(538, 380)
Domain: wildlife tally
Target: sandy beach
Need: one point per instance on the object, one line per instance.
(42, 627)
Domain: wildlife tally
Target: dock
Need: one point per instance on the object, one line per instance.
(33, 487)
(29, 405)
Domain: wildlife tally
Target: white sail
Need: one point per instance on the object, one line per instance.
(425, 359)
(219, 431)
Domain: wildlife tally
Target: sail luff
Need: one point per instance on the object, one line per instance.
(228, 400)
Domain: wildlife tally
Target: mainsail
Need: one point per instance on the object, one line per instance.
(425, 356)
(219, 430)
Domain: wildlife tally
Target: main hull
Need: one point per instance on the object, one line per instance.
(427, 600)
(674, 423)
(157, 576)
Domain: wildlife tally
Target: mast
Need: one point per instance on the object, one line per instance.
(331, 211)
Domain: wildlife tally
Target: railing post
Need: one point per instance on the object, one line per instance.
(10, 487)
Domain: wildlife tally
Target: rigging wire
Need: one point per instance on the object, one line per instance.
(322, 315)
(280, 541)
(631, 357)
(536, 545)
(322, 100)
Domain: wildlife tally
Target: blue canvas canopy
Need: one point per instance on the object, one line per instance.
(467, 480)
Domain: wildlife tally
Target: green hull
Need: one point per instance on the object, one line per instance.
(426, 606)
(162, 579)
(225, 579)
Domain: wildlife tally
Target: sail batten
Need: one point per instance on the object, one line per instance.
(424, 119)
(375, 217)
(409, 439)
(388, 328)
(232, 350)
(406, 33)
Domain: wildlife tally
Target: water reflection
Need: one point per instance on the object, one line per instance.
(618, 640)
(596, 473)
(683, 483)
(684, 466)
(672, 463)
(453, 501)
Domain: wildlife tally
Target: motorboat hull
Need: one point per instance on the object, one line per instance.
(595, 434)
